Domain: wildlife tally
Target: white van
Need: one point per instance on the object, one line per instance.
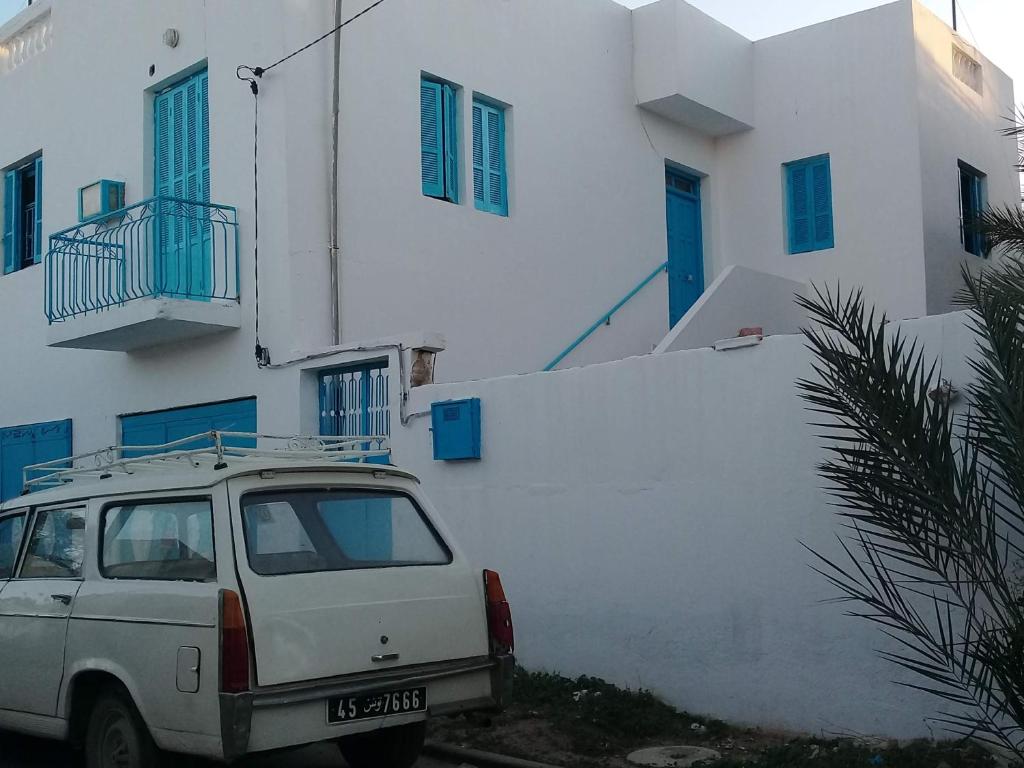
(222, 601)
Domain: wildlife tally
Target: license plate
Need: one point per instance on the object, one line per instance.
(346, 709)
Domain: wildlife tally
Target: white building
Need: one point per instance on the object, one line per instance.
(613, 144)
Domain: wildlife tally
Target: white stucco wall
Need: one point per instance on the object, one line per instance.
(847, 88)
(951, 114)
(692, 68)
(647, 516)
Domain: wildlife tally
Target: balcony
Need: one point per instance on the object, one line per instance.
(159, 271)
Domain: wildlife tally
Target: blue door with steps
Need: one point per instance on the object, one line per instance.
(685, 247)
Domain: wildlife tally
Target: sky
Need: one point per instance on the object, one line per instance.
(994, 26)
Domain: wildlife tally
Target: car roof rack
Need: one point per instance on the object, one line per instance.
(215, 449)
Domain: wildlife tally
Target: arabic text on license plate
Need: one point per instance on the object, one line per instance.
(345, 709)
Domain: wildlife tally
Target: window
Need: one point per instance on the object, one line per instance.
(972, 205)
(336, 530)
(490, 179)
(169, 541)
(57, 546)
(11, 530)
(967, 70)
(23, 216)
(809, 204)
(439, 140)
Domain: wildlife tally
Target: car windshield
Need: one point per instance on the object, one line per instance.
(304, 531)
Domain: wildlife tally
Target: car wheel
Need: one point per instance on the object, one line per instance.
(116, 736)
(397, 747)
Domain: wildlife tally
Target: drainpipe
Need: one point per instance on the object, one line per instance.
(334, 250)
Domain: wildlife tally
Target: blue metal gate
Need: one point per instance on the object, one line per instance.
(354, 401)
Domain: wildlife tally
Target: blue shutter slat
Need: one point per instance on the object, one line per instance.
(799, 209)
(431, 139)
(39, 210)
(10, 220)
(478, 155)
(451, 146)
(821, 176)
(204, 137)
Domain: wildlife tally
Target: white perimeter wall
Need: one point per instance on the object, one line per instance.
(646, 516)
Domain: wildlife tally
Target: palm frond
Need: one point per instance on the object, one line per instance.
(931, 502)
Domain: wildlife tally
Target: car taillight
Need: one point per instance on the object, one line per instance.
(499, 615)
(234, 644)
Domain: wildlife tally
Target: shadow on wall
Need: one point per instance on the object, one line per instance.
(739, 298)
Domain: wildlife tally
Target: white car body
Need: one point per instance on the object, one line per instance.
(311, 636)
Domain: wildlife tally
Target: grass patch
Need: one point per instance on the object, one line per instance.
(589, 723)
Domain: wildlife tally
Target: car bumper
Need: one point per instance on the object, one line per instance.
(289, 716)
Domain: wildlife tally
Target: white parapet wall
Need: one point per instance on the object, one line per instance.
(648, 518)
(739, 298)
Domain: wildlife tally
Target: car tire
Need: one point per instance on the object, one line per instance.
(116, 736)
(397, 747)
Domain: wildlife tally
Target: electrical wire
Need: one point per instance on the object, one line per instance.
(252, 76)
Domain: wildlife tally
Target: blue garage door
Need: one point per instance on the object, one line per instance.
(30, 444)
(158, 427)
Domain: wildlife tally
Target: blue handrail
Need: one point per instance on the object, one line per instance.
(162, 246)
(606, 317)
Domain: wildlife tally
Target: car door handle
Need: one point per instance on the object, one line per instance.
(384, 657)
(66, 599)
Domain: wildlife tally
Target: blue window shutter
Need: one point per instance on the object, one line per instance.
(162, 144)
(821, 191)
(798, 192)
(479, 193)
(203, 116)
(496, 188)
(432, 138)
(490, 188)
(10, 221)
(39, 210)
(451, 145)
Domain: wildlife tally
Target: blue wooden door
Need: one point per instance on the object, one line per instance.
(685, 249)
(159, 427)
(181, 121)
(30, 444)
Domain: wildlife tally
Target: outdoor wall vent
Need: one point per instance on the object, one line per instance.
(100, 198)
(967, 69)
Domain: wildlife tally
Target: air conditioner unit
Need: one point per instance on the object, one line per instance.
(100, 198)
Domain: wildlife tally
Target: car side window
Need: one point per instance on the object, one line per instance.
(56, 548)
(165, 541)
(11, 530)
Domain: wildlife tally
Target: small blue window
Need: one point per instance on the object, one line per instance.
(439, 140)
(972, 205)
(809, 204)
(490, 177)
(23, 216)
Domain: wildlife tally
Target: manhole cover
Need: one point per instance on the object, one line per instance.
(672, 757)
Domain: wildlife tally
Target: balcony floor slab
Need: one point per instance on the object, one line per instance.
(145, 323)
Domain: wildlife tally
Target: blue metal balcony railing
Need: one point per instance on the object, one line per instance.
(163, 246)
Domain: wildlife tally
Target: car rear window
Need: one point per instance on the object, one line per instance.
(305, 531)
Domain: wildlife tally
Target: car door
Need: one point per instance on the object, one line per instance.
(34, 609)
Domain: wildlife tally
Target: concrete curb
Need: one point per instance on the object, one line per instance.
(478, 758)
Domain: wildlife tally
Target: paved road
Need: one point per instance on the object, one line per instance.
(17, 752)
